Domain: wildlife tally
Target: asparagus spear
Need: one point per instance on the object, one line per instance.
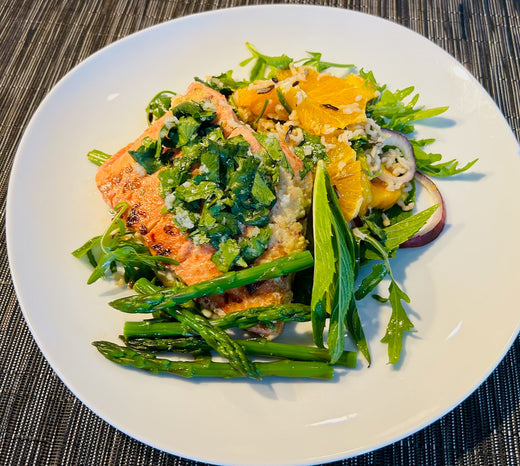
(220, 341)
(204, 368)
(257, 347)
(242, 320)
(167, 298)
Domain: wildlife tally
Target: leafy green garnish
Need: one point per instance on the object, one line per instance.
(265, 66)
(215, 186)
(116, 247)
(316, 62)
(429, 163)
(145, 155)
(97, 157)
(159, 104)
(310, 151)
(399, 322)
(391, 111)
(224, 83)
(335, 253)
(402, 231)
(272, 147)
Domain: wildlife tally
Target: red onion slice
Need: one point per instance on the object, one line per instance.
(435, 224)
(406, 159)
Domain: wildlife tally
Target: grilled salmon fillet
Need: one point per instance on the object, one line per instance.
(122, 179)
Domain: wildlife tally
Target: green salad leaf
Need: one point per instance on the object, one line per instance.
(119, 247)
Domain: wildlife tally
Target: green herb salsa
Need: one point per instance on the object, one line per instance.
(215, 187)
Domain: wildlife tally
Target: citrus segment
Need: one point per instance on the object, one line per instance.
(351, 182)
(260, 100)
(382, 197)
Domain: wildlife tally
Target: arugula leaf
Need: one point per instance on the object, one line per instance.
(426, 161)
(379, 271)
(116, 246)
(264, 63)
(347, 248)
(391, 111)
(398, 324)
(319, 65)
(335, 268)
(399, 321)
(343, 293)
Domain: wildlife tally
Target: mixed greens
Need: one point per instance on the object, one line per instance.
(214, 187)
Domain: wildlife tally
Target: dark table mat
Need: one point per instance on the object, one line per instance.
(41, 421)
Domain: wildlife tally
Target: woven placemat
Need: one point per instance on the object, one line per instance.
(41, 421)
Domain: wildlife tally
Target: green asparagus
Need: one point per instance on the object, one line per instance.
(241, 320)
(256, 347)
(220, 341)
(205, 368)
(167, 298)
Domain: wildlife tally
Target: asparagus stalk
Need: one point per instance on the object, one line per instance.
(242, 320)
(167, 298)
(257, 347)
(220, 341)
(204, 368)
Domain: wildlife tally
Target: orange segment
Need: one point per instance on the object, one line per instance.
(382, 198)
(332, 102)
(260, 99)
(351, 182)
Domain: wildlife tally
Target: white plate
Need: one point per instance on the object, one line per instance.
(463, 287)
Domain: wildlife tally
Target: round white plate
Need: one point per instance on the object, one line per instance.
(463, 286)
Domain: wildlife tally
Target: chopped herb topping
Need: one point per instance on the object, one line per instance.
(215, 187)
(310, 151)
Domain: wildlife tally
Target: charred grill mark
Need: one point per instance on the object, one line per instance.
(170, 230)
(143, 230)
(251, 288)
(160, 249)
(131, 185)
(134, 216)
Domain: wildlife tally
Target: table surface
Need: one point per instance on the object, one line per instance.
(41, 421)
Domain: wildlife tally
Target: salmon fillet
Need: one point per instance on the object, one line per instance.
(122, 179)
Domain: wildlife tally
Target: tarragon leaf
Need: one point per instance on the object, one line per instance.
(325, 261)
(400, 232)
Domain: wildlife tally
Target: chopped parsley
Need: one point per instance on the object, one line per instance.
(218, 190)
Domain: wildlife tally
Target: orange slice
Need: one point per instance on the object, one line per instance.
(382, 198)
(260, 99)
(351, 182)
(325, 102)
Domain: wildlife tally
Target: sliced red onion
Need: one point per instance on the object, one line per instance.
(406, 160)
(435, 224)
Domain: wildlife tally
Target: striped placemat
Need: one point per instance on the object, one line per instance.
(41, 422)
